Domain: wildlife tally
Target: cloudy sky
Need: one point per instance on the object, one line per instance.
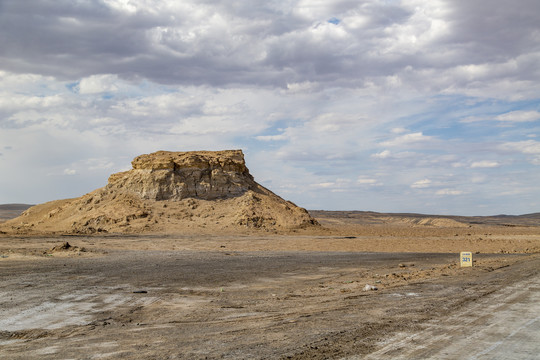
(428, 106)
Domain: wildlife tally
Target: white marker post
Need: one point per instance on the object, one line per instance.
(465, 258)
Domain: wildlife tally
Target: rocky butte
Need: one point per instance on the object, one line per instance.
(169, 192)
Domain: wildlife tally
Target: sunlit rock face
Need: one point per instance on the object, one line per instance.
(166, 175)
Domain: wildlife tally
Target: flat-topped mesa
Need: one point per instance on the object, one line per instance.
(205, 191)
(167, 175)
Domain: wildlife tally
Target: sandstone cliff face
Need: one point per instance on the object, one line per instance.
(166, 175)
(170, 192)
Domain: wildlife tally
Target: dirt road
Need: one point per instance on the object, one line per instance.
(503, 325)
(190, 304)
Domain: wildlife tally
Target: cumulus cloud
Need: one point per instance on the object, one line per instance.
(97, 84)
(288, 45)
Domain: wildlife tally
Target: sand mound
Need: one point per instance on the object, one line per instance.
(169, 192)
(426, 221)
(442, 222)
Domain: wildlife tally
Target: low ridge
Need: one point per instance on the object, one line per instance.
(169, 192)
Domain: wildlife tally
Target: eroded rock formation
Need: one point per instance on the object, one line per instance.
(170, 192)
(166, 175)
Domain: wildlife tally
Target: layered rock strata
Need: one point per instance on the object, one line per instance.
(166, 175)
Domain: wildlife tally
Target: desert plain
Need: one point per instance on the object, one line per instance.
(264, 295)
(187, 257)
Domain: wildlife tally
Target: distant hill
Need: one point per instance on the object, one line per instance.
(508, 220)
(10, 211)
(370, 217)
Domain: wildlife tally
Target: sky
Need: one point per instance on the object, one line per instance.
(426, 106)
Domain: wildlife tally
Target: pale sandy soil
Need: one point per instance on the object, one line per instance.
(393, 237)
(259, 295)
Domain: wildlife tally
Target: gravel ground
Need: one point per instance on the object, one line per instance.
(196, 304)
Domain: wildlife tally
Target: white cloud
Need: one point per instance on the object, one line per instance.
(279, 137)
(104, 163)
(449, 192)
(402, 155)
(407, 139)
(382, 155)
(338, 185)
(398, 130)
(334, 122)
(324, 185)
(527, 147)
(11, 101)
(479, 179)
(472, 119)
(97, 84)
(485, 164)
(519, 116)
(70, 172)
(306, 86)
(368, 181)
(421, 184)
(122, 5)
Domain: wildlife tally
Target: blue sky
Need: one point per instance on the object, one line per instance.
(392, 106)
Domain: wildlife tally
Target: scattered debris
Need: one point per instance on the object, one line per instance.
(370, 287)
(64, 247)
(405, 265)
